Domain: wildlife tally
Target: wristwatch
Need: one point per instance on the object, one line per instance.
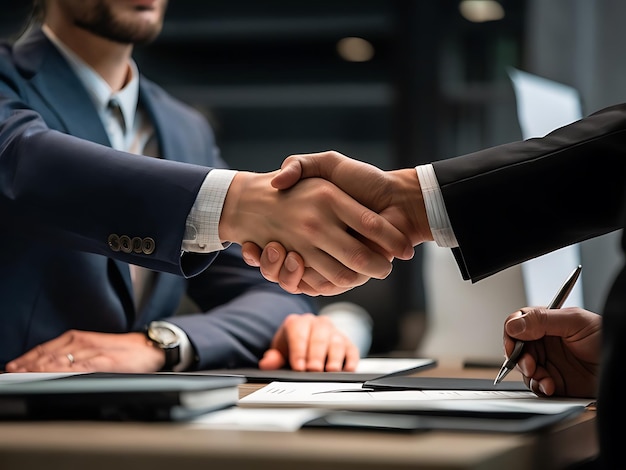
(163, 337)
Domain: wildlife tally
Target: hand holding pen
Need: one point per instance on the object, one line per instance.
(557, 302)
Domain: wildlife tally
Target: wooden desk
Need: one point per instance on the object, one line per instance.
(161, 446)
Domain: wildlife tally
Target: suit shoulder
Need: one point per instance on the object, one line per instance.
(165, 98)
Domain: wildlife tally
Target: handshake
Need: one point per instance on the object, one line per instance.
(325, 223)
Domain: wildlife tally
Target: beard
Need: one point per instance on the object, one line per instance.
(103, 22)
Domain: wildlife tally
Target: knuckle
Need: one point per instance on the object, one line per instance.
(346, 277)
(267, 274)
(372, 222)
(312, 225)
(325, 321)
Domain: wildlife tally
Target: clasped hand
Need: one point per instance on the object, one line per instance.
(371, 216)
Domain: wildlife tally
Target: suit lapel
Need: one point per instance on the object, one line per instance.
(59, 87)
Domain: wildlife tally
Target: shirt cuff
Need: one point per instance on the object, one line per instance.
(436, 212)
(203, 221)
(187, 353)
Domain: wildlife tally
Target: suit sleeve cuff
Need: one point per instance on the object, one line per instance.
(436, 211)
(202, 227)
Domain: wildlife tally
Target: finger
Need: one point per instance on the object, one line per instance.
(41, 354)
(272, 360)
(291, 272)
(290, 173)
(251, 254)
(272, 259)
(332, 267)
(352, 357)
(296, 167)
(314, 284)
(50, 361)
(297, 335)
(537, 322)
(543, 386)
(527, 363)
(323, 335)
(336, 352)
(356, 255)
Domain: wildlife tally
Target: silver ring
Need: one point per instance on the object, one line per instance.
(70, 357)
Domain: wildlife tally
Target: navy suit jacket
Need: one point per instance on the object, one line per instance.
(64, 191)
(529, 198)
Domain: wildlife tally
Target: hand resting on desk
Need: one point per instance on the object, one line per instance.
(306, 342)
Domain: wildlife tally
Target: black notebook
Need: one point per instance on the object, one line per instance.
(369, 368)
(118, 396)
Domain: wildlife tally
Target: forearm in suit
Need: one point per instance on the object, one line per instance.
(513, 202)
(243, 312)
(54, 184)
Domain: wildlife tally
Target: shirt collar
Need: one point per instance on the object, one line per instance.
(97, 87)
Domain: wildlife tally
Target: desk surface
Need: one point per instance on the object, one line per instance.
(155, 446)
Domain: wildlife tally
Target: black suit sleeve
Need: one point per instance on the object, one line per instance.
(514, 202)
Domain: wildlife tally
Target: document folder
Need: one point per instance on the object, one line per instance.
(500, 422)
(368, 368)
(118, 396)
(398, 382)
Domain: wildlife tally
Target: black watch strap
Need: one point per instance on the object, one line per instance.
(171, 350)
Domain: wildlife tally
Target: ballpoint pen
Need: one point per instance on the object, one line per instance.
(557, 302)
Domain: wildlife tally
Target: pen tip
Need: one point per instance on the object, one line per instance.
(503, 372)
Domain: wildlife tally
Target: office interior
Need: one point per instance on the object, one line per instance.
(391, 82)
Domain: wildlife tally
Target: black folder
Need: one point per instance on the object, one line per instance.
(499, 422)
(118, 396)
(287, 375)
(399, 382)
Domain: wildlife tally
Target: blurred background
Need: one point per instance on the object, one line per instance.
(391, 82)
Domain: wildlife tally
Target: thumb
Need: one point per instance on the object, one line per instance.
(272, 360)
(289, 174)
(536, 323)
(310, 165)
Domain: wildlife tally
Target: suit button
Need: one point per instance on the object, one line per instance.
(137, 243)
(114, 242)
(125, 244)
(148, 246)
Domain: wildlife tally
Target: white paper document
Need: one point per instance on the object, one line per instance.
(258, 419)
(388, 365)
(351, 396)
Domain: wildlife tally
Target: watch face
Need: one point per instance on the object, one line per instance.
(163, 335)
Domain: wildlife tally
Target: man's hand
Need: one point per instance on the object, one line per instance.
(337, 237)
(87, 351)
(310, 343)
(395, 195)
(561, 354)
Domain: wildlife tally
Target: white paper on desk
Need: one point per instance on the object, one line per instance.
(388, 365)
(258, 419)
(320, 394)
(542, 106)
